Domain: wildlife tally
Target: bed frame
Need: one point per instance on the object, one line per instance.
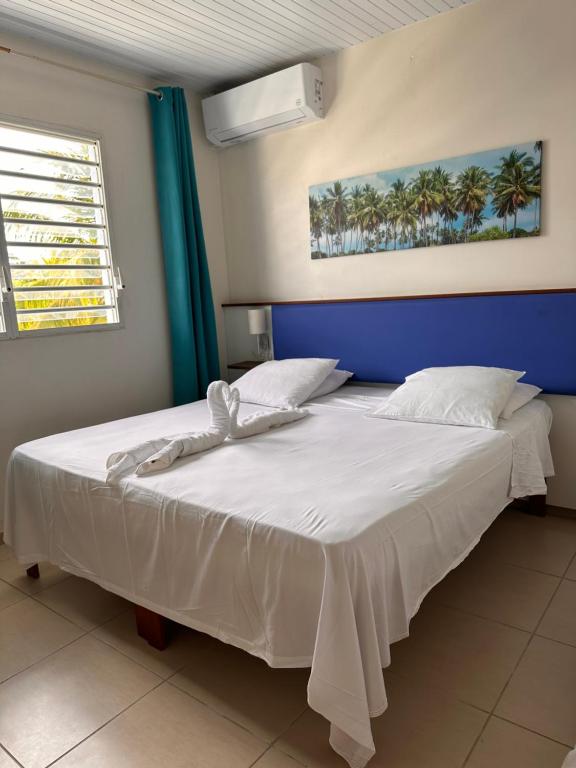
(385, 339)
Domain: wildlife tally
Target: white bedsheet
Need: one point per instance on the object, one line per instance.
(311, 545)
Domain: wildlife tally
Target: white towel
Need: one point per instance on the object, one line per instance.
(194, 442)
(158, 454)
(223, 402)
(258, 422)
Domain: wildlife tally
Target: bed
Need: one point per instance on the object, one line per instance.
(310, 546)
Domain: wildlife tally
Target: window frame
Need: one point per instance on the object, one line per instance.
(7, 306)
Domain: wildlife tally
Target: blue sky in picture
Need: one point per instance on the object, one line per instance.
(381, 181)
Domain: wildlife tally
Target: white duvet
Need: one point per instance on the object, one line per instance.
(308, 546)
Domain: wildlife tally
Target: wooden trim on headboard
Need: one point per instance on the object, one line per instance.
(398, 298)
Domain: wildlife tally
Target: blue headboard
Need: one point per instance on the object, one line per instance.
(386, 340)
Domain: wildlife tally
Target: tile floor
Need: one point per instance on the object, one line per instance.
(487, 678)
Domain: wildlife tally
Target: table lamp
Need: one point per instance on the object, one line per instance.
(257, 326)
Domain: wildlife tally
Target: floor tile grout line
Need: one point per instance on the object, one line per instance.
(290, 757)
(10, 755)
(438, 688)
(524, 567)
(85, 633)
(504, 688)
(531, 730)
(48, 655)
(100, 727)
(227, 717)
(486, 618)
(254, 762)
(211, 708)
(42, 589)
(554, 640)
(127, 655)
(275, 740)
(501, 561)
(67, 618)
(57, 613)
(83, 630)
(573, 560)
(15, 586)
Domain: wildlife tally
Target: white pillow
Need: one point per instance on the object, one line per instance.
(332, 382)
(521, 394)
(284, 383)
(470, 396)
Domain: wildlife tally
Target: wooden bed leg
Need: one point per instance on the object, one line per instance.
(33, 572)
(537, 505)
(152, 627)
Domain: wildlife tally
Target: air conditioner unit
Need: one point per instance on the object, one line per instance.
(272, 103)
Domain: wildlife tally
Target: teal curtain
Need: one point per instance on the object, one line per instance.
(190, 306)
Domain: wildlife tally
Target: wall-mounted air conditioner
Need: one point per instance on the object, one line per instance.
(272, 103)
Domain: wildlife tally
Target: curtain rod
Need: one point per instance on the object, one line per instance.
(5, 49)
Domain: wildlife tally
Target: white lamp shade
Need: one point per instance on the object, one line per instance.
(257, 321)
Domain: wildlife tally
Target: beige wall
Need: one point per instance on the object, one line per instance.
(494, 73)
(61, 382)
(491, 74)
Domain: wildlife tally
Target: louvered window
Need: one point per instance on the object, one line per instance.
(57, 271)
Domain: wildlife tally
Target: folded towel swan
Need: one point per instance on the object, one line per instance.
(195, 442)
(223, 403)
(154, 455)
(258, 422)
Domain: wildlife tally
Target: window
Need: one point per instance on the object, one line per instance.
(56, 268)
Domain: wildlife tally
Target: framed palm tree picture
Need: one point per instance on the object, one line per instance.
(493, 195)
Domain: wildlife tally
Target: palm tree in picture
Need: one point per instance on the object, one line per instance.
(476, 221)
(356, 217)
(374, 215)
(502, 208)
(447, 210)
(472, 188)
(515, 185)
(537, 182)
(316, 221)
(337, 197)
(327, 224)
(407, 216)
(368, 192)
(394, 200)
(387, 232)
(438, 180)
(426, 199)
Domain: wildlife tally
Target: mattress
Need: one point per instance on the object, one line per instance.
(312, 545)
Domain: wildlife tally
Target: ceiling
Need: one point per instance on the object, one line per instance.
(211, 44)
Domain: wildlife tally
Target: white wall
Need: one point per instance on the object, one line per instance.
(61, 382)
(491, 74)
